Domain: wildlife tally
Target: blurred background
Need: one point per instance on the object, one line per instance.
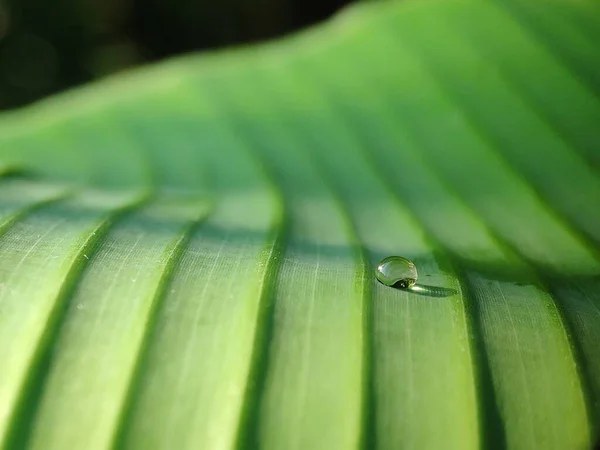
(50, 45)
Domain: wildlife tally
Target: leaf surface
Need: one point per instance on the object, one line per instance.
(188, 250)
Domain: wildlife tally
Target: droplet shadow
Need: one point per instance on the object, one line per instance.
(429, 291)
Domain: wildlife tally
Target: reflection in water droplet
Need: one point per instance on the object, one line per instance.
(396, 271)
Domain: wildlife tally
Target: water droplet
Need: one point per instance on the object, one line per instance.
(396, 270)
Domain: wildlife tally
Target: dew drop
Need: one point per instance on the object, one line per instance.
(396, 271)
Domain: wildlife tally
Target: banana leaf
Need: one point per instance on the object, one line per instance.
(188, 250)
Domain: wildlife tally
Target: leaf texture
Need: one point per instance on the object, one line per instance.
(188, 250)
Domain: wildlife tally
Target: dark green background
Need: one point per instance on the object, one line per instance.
(47, 46)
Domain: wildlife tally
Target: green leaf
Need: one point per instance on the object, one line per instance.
(188, 250)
